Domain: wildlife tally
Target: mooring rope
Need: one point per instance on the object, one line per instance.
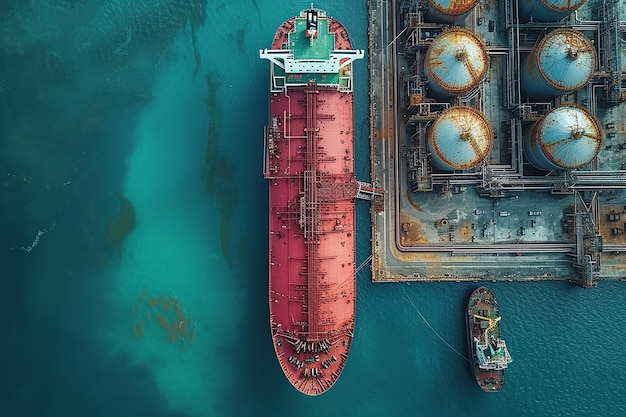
(356, 271)
(431, 327)
(365, 262)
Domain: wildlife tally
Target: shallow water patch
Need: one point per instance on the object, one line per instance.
(166, 312)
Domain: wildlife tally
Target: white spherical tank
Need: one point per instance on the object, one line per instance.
(455, 62)
(568, 137)
(448, 10)
(563, 61)
(547, 10)
(461, 138)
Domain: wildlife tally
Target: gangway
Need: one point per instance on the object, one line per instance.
(367, 191)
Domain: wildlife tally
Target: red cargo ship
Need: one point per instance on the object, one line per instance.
(309, 162)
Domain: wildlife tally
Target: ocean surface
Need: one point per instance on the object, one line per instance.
(133, 250)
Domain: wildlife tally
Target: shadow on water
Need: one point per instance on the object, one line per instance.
(220, 170)
(118, 227)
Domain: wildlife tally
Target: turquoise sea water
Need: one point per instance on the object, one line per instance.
(133, 251)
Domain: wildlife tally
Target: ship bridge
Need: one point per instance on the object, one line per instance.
(302, 55)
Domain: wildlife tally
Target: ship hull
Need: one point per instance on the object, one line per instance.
(309, 145)
(482, 302)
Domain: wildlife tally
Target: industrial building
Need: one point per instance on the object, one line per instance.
(506, 145)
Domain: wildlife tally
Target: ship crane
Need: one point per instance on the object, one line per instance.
(492, 324)
(499, 356)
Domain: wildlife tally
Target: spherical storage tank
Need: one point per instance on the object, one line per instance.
(461, 138)
(568, 137)
(455, 62)
(547, 10)
(449, 10)
(562, 62)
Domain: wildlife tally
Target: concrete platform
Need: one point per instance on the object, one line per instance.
(503, 220)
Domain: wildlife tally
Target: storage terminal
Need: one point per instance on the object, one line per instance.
(498, 133)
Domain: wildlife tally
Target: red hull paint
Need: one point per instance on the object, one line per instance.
(311, 227)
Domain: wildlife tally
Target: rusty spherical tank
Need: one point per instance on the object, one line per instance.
(563, 61)
(460, 139)
(448, 10)
(547, 10)
(455, 62)
(568, 137)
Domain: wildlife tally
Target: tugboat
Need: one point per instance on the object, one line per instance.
(488, 353)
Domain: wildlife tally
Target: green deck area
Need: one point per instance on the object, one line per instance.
(304, 61)
(322, 46)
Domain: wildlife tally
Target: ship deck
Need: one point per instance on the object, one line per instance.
(309, 163)
(334, 227)
(302, 47)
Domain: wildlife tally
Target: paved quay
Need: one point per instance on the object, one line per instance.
(381, 130)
